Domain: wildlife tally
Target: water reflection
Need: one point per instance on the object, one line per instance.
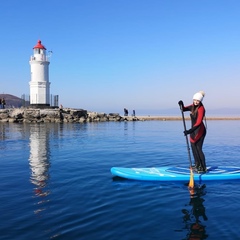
(194, 217)
(39, 163)
(2, 132)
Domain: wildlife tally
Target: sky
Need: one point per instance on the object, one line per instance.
(108, 55)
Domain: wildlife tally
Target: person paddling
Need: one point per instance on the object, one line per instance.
(197, 131)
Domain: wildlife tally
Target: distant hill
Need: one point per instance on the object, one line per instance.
(13, 101)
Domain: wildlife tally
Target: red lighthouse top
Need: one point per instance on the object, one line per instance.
(39, 45)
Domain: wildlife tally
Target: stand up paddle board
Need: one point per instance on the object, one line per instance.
(176, 173)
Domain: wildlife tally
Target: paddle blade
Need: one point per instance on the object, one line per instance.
(191, 181)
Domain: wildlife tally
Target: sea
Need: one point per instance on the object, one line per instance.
(56, 183)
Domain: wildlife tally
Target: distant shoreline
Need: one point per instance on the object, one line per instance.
(172, 118)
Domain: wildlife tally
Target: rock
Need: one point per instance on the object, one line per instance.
(17, 113)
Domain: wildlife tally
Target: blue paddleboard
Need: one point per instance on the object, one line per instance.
(176, 173)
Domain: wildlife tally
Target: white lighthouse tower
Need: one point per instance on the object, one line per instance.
(39, 84)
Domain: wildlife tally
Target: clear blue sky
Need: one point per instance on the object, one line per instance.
(139, 54)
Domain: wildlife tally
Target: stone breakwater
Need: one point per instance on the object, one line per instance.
(68, 115)
(28, 115)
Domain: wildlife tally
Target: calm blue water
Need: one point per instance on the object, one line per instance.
(55, 182)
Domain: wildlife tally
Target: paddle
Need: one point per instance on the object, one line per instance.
(191, 181)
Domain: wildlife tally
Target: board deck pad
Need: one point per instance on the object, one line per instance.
(176, 173)
(211, 170)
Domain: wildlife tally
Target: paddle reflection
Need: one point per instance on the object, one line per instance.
(194, 217)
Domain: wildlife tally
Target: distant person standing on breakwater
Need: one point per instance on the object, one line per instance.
(3, 103)
(125, 112)
(0, 103)
(197, 131)
(133, 113)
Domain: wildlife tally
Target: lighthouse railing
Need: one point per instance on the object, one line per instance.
(27, 100)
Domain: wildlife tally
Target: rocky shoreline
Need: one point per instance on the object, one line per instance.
(68, 115)
(57, 115)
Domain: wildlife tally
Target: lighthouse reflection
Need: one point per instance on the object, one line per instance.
(39, 163)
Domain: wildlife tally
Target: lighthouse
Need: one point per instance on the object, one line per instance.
(39, 83)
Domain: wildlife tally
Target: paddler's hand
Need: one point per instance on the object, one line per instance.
(186, 132)
(180, 103)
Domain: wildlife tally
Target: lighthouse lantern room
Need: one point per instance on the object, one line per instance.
(39, 83)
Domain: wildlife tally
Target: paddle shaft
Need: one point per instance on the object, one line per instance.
(188, 148)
